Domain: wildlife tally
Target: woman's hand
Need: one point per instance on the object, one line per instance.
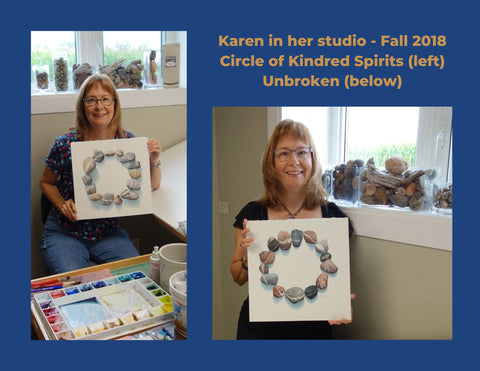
(343, 321)
(239, 263)
(49, 188)
(245, 241)
(69, 210)
(154, 151)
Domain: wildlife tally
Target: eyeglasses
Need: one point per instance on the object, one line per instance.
(106, 101)
(284, 154)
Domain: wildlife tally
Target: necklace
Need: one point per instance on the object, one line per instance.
(292, 216)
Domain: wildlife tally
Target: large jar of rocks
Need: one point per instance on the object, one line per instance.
(397, 185)
(346, 182)
(41, 77)
(60, 70)
(80, 73)
(152, 70)
(327, 176)
(442, 197)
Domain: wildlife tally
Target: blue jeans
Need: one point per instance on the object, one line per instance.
(63, 252)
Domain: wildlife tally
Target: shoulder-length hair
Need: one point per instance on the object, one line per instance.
(81, 123)
(315, 194)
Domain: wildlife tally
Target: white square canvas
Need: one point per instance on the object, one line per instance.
(299, 266)
(111, 178)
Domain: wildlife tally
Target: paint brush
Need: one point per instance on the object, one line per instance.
(49, 282)
(54, 286)
(63, 284)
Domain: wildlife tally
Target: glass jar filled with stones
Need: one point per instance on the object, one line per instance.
(152, 71)
(60, 70)
(346, 182)
(442, 197)
(41, 77)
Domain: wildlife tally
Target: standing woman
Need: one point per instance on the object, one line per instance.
(66, 243)
(293, 189)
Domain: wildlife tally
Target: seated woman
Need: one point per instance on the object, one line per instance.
(67, 243)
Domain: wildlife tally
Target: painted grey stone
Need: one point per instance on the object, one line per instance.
(295, 294)
(91, 189)
(107, 198)
(132, 184)
(263, 268)
(129, 195)
(269, 278)
(127, 157)
(325, 256)
(98, 155)
(87, 179)
(311, 291)
(297, 236)
(273, 244)
(322, 246)
(133, 165)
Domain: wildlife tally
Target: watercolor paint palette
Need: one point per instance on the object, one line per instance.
(103, 309)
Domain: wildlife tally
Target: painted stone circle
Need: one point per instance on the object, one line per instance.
(284, 241)
(132, 184)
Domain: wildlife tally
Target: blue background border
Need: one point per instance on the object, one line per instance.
(209, 85)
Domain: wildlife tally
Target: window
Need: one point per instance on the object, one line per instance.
(95, 48)
(129, 45)
(45, 47)
(343, 132)
(381, 132)
(421, 135)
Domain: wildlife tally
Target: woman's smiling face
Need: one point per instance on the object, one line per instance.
(294, 173)
(99, 115)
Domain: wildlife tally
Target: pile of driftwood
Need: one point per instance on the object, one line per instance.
(395, 186)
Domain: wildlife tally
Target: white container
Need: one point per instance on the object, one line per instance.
(173, 258)
(178, 290)
(171, 64)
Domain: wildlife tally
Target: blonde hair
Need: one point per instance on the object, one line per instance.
(81, 123)
(315, 193)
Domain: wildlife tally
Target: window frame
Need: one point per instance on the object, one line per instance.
(87, 44)
(425, 229)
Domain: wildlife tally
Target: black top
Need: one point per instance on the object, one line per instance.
(257, 211)
(282, 330)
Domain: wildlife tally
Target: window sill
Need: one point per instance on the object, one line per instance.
(130, 98)
(416, 228)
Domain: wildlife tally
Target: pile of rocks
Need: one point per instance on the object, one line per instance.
(124, 77)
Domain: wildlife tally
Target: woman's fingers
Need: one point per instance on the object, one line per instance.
(343, 321)
(69, 210)
(154, 149)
